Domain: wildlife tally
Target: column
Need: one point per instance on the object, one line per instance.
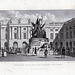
(53, 33)
(27, 32)
(4, 32)
(22, 33)
(10, 32)
(18, 32)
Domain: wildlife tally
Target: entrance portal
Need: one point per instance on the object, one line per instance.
(6, 46)
(24, 44)
(15, 46)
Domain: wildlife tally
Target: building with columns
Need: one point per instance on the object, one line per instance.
(15, 34)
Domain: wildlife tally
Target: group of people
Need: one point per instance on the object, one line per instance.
(35, 50)
(4, 52)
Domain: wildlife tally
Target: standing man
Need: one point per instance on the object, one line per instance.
(35, 51)
(46, 52)
(63, 52)
(2, 52)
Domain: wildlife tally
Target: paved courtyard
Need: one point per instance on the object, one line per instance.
(20, 57)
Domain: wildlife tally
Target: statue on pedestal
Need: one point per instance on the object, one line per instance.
(37, 31)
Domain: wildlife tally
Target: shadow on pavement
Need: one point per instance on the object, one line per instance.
(58, 57)
(41, 57)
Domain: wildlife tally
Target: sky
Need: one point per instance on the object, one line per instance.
(51, 15)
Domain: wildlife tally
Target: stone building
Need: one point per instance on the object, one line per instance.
(15, 34)
(66, 36)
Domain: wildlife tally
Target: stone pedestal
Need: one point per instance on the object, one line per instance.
(37, 42)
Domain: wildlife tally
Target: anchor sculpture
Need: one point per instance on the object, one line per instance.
(37, 31)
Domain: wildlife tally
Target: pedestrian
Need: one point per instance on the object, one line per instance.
(45, 53)
(25, 49)
(35, 51)
(2, 52)
(5, 52)
(54, 51)
(63, 52)
(28, 50)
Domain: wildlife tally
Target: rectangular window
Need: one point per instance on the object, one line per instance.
(70, 27)
(61, 35)
(51, 29)
(66, 35)
(56, 29)
(51, 35)
(66, 28)
(5, 36)
(74, 44)
(56, 34)
(24, 34)
(70, 34)
(74, 33)
(15, 35)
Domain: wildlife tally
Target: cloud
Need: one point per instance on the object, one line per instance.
(2, 17)
(33, 17)
(15, 14)
(25, 17)
(49, 17)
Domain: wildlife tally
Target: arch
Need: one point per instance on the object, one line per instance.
(15, 44)
(24, 44)
(6, 45)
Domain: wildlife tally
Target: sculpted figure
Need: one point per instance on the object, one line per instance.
(37, 31)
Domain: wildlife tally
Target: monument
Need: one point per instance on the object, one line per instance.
(38, 34)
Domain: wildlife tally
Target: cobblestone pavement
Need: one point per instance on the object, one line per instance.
(20, 57)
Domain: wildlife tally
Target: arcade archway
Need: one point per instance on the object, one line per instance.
(6, 45)
(15, 45)
(24, 44)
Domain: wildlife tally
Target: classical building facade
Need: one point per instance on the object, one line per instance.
(19, 33)
(66, 36)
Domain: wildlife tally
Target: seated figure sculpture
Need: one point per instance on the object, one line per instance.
(37, 31)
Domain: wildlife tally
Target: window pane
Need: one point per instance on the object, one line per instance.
(5, 36)
(61, 35)
(15, 35)
(74, 33)
(24, 35)
(51, 35)
(15, 29)
(51, 29)
(24, 28)
(56, 34)
(71, 34)
(56, 29)
(66, 35)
